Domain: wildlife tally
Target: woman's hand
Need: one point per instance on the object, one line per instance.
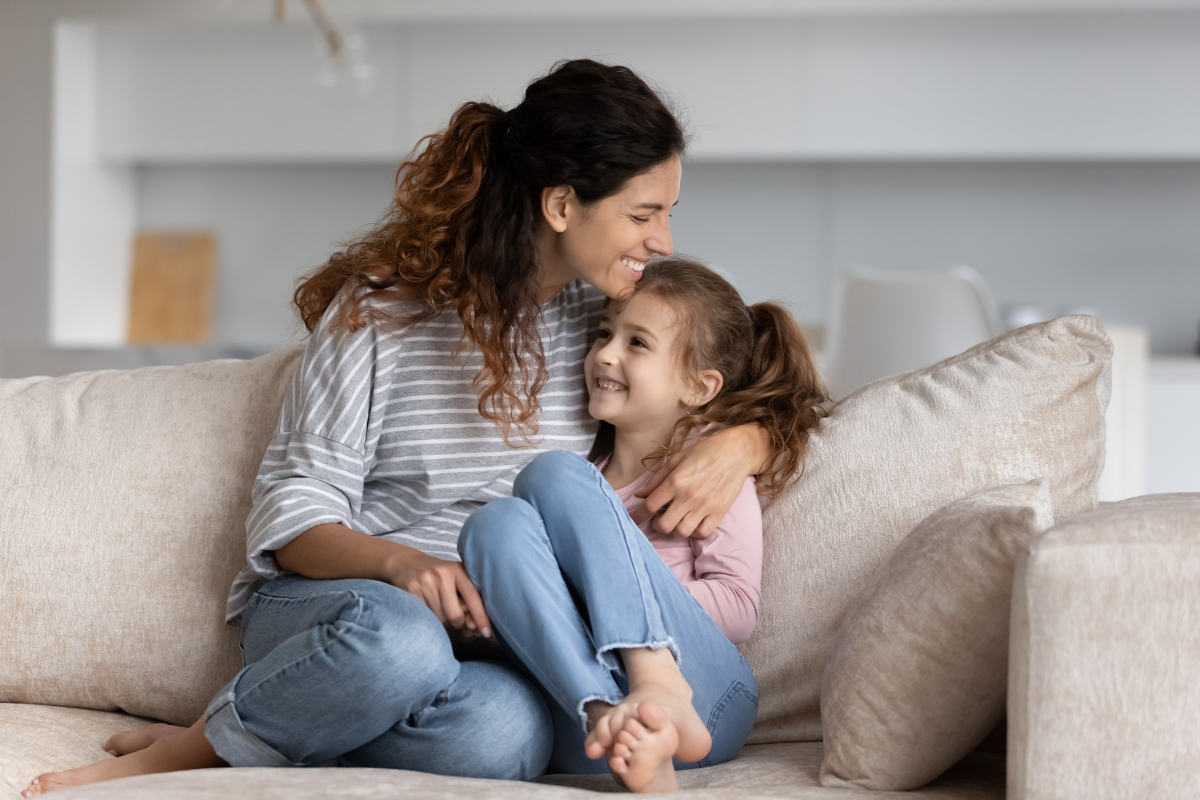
(695, 488)
(446, 588)
(331, 551)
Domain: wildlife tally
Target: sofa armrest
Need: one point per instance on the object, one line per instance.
(1104, 657)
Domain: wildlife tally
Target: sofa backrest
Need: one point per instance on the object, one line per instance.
(123, 501)
(1028, 404)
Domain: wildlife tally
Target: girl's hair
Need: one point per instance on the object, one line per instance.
(460, 231)
(764, 360)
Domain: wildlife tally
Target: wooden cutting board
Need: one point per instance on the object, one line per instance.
(172, 287)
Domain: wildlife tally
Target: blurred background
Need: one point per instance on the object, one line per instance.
(168, 168)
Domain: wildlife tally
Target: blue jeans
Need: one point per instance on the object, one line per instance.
(568, 579)
(361, 673)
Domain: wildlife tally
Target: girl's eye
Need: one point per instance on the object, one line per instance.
(603, 334)
(636, 342)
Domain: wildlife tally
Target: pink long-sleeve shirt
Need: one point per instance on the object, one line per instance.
(723, 571)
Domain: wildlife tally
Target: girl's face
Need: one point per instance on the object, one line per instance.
(609, 242)
(633, 375)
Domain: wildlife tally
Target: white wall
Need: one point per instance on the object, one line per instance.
(25, 62)
(1121, 238)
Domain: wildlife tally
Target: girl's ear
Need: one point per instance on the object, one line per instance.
(708, 386)
(556, 202)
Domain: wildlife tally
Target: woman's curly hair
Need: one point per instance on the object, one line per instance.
(460, 230)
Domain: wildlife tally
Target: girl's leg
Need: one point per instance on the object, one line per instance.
(631, 601)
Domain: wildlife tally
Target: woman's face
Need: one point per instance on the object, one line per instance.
(609, 242)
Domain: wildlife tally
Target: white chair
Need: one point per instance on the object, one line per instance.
(884, 323)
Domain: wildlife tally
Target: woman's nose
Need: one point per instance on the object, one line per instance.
(660, 242)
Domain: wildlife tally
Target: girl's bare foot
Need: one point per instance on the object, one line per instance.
(642, 754)
(187, 749)
(660, 702)
(126, 742)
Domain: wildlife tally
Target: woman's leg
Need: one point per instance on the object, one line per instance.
(370, 676)
(625, 598)
(354, 667)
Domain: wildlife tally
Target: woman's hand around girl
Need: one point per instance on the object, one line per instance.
(695, 488)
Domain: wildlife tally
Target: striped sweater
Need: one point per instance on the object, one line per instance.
(381, 432)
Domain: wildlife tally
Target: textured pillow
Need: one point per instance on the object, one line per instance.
(918, 675)
(123, 503)
(1027, 404)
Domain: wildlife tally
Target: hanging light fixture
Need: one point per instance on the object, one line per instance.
(344, 71)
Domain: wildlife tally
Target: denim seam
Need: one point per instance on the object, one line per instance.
(311, 653)
(715, 715)
(239, 731)
(643, 589)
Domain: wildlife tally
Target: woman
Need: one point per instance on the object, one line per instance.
(447, 351)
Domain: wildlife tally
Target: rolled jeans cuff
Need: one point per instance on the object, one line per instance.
(229, 738)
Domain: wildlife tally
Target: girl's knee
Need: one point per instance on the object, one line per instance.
(547, 471)
(498, 530)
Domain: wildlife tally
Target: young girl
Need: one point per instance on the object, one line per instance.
(631, 633)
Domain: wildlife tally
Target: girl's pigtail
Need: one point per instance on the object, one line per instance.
(781, 390)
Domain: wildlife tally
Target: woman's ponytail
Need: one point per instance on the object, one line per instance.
(767, 368)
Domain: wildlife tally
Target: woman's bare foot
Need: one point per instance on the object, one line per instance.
(660, 704)
(126, 742)
(187, 749)
(642, 754)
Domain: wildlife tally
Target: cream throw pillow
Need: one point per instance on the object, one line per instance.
(918, 675)
(1027, 404)
(123, 504)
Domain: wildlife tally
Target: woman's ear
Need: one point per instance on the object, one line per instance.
(556, 206)
(708, 386)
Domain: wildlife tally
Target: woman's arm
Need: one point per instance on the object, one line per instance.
(333, 551)
(728, 568)
(696, 487)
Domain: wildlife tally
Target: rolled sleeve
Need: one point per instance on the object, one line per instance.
(305, 480)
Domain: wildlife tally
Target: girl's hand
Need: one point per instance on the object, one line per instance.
(695, 488)
(446, 588)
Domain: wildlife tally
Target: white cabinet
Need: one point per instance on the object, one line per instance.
(1173, 425)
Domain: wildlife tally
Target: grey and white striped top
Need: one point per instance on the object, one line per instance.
(382, 432)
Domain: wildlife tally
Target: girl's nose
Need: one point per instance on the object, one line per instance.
(605, 354)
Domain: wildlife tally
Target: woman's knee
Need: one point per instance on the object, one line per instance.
(514, 731)
(402, 639)
(547, 472)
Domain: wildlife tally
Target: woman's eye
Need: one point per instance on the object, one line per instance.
(641, 220)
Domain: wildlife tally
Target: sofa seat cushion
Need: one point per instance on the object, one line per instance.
(36, 739)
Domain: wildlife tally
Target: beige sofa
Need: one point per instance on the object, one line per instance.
(123, 496)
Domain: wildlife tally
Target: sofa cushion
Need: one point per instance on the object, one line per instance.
(123, 501)
(918, 675)
(36, 739)
(1027, 404)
